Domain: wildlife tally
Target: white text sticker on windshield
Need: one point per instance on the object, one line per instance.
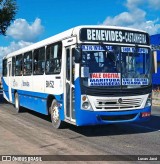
(104, 79)
(134, 81)
(132, 50)
(84, 71)
(96, 48)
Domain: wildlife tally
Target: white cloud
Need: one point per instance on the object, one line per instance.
(134, 3)
(12, 47)
(22, 30)
(24, 34)
(126, 18)
(155, 4)
(150, 26)
(136, 17)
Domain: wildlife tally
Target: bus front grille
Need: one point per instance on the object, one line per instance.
(118, 104)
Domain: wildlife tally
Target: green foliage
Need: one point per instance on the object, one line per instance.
(8, 10)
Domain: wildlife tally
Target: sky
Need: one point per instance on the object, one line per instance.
(38, 19)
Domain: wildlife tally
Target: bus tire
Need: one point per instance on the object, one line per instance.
(55, 118)
(16, 102)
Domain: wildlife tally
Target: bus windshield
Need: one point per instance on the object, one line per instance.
(115, 66)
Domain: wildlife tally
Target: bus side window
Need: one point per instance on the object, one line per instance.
(5, 67)
(53, 58)
(38, 61)
(18, 68)
(13, 65)
(27, 67)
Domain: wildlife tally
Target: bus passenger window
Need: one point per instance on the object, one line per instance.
(18, 68)
(53, 58)
(5, 67)
(13, 65)
(27, 67)
(39, 61)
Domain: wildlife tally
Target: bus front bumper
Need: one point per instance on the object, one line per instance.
(84, 117)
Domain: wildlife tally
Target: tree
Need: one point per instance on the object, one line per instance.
(8, 11)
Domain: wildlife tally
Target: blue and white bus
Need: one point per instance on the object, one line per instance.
(87, 75)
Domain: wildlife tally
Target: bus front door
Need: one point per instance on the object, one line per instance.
(69, 86)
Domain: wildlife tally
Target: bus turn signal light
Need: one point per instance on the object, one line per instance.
(84, 98)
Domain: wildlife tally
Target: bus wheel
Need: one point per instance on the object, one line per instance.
(55, 118)
(16, 102)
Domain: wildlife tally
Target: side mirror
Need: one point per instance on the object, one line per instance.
(77, 54)
(154, 55)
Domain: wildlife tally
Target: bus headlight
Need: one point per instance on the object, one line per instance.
(149, 101)
(85, 105)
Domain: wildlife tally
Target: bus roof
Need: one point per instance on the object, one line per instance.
(66, 34)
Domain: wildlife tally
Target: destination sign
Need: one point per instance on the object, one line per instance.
(114, 36)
